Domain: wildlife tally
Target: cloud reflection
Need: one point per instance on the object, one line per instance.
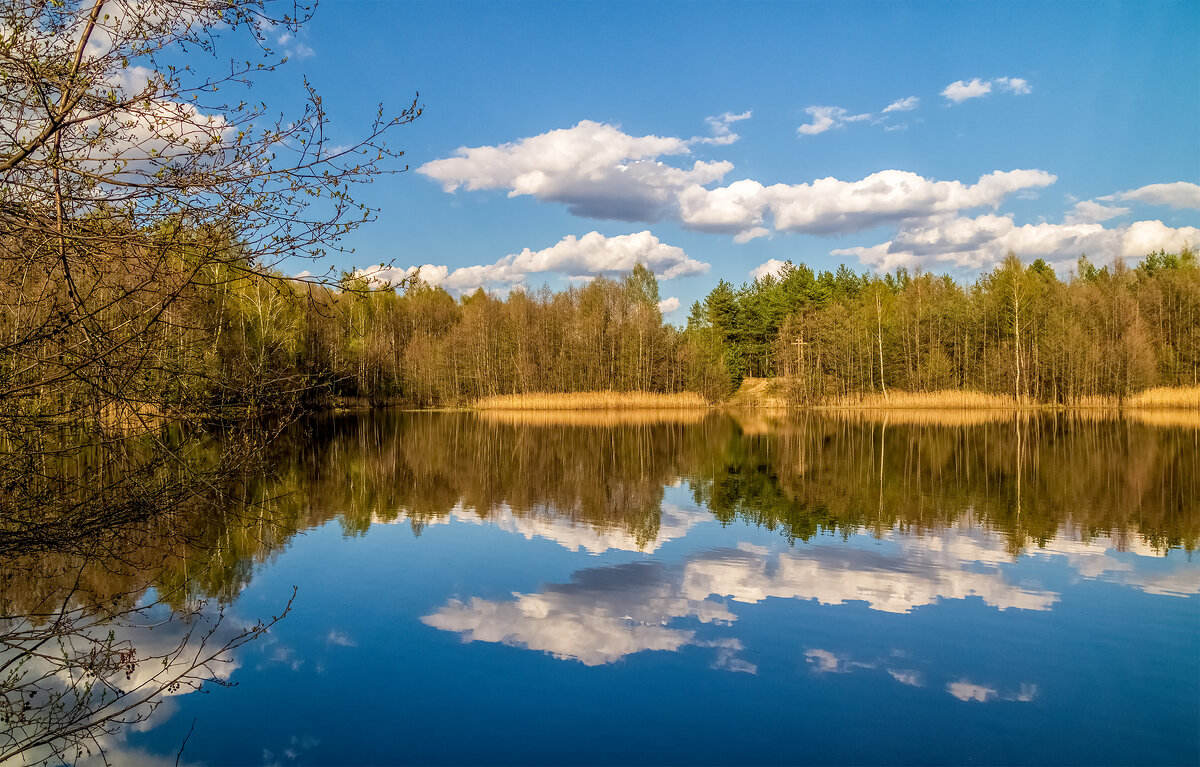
(674, 522)
(1118, 562)
(600, 617)
(967, 691)
(918, 572)
(826, 662)
(607, 613)
(84, 703)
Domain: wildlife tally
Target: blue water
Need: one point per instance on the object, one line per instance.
(522, 638)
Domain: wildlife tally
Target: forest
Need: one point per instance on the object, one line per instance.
(233, 339)
(1018, 331)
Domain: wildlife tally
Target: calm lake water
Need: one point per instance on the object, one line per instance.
(604, 589)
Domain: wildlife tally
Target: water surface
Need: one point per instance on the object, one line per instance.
(712, 589)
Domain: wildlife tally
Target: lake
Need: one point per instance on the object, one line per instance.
(697, 588)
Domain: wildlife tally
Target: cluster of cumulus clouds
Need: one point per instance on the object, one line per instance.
(600, 172)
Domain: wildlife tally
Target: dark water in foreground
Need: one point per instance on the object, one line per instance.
(717, 590)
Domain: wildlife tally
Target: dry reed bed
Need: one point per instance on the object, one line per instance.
(602, 418)
(928, 416)
(934, 400)
(768, 420)
(596, 400)
(1161, 398)
(1180, 397)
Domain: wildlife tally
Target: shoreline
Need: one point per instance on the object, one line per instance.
(762, 395)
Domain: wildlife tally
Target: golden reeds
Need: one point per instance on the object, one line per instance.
(593, 400)
(1175, 397)
(929, 416)
(763, 393)
(758, 393)
(603, 418)
(933, 400)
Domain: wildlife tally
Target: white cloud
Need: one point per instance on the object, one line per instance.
(1180, 194)
(772, 267)
(903, 105)
(1091, 212)
(738, 207)
(829, 205)
(722, 135)
(833, 206)
(157, 132)
(1014, 85)
(668, 305)
(752, 233)
(959, 91)
(593, 168)
(395, 276)
(982, 242)
(293, 48)
(598, 171)
(824, 118)
(591, 255)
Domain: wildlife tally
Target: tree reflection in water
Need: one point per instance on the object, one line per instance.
(99, 631)
(113, 601)
(1030, 478)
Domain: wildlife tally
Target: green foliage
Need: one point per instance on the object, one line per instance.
(1018, 331)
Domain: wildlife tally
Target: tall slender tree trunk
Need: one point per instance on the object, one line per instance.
(879, 339)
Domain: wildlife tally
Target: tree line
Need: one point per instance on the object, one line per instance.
(226, 336)
(1017, 330)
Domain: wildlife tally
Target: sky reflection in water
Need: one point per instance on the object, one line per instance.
(807, 591)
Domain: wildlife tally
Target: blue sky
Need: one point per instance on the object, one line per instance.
(1048, 128)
